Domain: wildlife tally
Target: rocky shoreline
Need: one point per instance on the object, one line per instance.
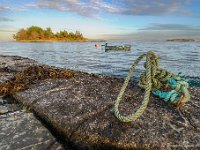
(79, 111)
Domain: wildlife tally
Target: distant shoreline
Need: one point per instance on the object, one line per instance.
(180, 40)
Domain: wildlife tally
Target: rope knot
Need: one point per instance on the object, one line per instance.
(154, 79)
(179, 94)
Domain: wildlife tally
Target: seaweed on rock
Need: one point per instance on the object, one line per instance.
(22, 80)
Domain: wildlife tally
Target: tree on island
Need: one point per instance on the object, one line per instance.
(35, 33)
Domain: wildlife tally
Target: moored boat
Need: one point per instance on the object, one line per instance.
(117, 48)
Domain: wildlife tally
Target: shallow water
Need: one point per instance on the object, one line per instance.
(176, 57)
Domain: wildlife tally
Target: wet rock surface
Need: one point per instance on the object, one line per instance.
(19, 128)
(80, 109)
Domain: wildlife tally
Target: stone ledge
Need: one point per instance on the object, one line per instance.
(80, 108)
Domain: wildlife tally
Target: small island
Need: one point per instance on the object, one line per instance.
(181, 40)
(37, 34)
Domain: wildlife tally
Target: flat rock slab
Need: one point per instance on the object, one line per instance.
(21, 130)
(80, 108)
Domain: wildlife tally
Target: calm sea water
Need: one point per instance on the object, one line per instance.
(175, 57)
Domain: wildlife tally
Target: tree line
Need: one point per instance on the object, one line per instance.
(35, 33)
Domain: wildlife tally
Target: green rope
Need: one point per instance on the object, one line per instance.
(142, 108)
(153, 78)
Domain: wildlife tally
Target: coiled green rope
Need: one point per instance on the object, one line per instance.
(153, 78)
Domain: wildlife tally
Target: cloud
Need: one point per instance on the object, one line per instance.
(164, 31)
(4, 8)
(126, 7)
(177, 27)
(152, 35)
(3, 12)
(152, 8)
(83, 8)
(5, 19)
(159, 32)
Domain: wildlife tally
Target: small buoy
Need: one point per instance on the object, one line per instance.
(96, 45)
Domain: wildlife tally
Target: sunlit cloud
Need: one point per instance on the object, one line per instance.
(155, 8)
(126, 7)
(81, 8)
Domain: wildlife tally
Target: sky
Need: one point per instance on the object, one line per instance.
(104, 19)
